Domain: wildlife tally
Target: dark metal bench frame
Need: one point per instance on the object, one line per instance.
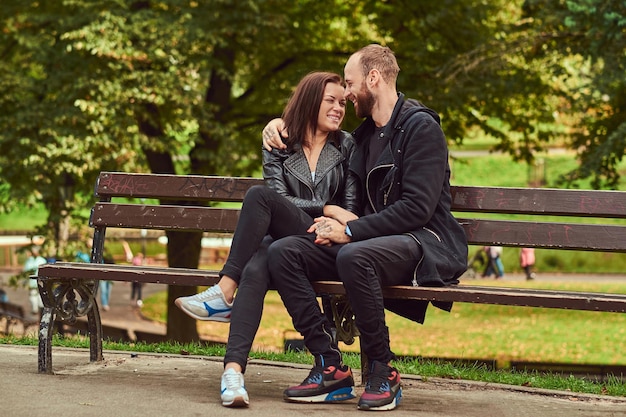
(68, 290)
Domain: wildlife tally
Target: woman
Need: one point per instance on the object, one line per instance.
(308, 179)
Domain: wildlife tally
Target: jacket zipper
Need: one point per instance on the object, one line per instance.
(367, 187)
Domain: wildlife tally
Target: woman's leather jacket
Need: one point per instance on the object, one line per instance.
(288, 173)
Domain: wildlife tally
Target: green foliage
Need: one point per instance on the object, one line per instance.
(173, 86)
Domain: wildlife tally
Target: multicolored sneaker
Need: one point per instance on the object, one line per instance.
(323, 385)
(383, 390)
(207, 305)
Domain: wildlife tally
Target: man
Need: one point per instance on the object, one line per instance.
(407, 235)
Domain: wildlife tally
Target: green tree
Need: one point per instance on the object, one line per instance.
(581, 44)
(97, 86)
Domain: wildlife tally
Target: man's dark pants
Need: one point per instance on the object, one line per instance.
(364, 267)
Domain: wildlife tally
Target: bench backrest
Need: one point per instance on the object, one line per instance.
(184, 200)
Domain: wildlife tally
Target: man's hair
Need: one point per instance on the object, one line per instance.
(302, 110)
(379, 57)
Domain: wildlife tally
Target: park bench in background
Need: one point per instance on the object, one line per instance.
(68, 289)
(13, 314)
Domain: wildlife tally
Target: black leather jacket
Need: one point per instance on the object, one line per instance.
(288, 173)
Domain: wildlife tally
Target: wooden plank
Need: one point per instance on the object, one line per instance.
(165, 217)
(592, 237)
(544, 201)
(598, 237)
(173, 187)
(129, 273)
(497, 295)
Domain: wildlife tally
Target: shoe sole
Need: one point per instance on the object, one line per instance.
(191, 314)
(341, 394)
(236, 402)
(385, 407)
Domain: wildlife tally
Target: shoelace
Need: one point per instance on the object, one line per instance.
(233, 381)
(374, 382)
(315, 375)
(208, 293)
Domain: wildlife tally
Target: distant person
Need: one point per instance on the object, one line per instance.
(494, 262)
(4, 298)
(32, 264)
(527, 262)
(136, 287)
(105, 285)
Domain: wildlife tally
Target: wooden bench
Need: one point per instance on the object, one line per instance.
(13, 314)
(68, 289)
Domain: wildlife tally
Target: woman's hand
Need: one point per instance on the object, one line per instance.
(338, 213)
(271, 136)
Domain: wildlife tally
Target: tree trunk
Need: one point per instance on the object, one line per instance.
(183, 251)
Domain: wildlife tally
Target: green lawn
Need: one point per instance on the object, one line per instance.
(472, 331)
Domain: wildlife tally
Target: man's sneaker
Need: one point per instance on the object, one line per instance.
(207, 305)
(383, 390)
(234, 392)
(324, 384)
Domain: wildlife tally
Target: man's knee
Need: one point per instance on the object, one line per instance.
(351, 257)
(279, 250)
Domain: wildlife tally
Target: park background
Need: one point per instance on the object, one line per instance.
(186, 87)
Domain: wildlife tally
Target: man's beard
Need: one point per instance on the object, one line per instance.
(365, 102)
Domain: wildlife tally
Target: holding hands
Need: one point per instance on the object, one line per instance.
(329, 231)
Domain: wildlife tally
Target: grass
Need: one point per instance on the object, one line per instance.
(470, 331)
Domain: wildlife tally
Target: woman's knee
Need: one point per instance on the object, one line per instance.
(257, 193)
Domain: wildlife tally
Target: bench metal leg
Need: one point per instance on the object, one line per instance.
(46, 329)
(95, 334)
(67, 300)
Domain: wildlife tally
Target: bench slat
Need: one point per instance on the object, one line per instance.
(164, 217)
(609, 238)
(615, 303)
(175, 187)
(459, 293)
(591, 237)
(544, 201)
(129, 273)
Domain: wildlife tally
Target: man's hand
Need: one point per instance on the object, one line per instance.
(329, 231)
(271, 136)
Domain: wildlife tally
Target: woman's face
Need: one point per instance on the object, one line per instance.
(332, 109)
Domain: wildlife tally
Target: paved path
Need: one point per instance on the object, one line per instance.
(128, 384)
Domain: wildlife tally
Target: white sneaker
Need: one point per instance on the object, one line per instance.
(234, 392)
(207, 305)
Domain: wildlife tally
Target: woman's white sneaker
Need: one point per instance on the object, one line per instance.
(233, 391)
(207, 305)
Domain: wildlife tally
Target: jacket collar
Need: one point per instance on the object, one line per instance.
(298, 165)
(365, 130)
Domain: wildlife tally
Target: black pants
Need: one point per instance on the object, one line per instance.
(265, 215)
(364, 268)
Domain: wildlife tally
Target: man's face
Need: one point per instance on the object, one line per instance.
(356, 89)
